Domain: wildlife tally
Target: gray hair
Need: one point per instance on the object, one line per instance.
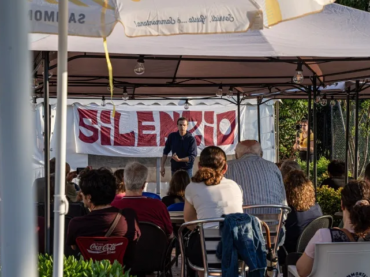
(288, 166)
(135, 176)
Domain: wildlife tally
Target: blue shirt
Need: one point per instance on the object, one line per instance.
(183, 146)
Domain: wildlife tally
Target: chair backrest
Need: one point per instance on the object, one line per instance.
(274, 216)
(309, 231)
(103, 248)
(177, 207)
(151, 195)
(148, 254)
(342, 259)
(209, 241)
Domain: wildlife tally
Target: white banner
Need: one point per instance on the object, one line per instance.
(139, 132)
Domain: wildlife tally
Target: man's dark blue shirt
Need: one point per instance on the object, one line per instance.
(183, 146)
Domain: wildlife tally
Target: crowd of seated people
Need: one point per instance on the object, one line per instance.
(218, 188)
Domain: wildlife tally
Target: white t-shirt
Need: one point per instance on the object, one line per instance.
(214, 201)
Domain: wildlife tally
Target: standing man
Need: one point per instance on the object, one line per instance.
(183, 147)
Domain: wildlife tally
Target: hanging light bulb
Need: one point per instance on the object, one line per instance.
(139, 68)
(298, 77)
(34, 102)
(186, 105)
(219, 91)
(324, 101)
(332, 102)
(230, 93)
(318, 98)
(103, 101)
(35, 84)
(50, 74)
(125, 94)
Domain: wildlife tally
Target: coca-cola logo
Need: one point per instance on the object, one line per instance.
(101, 248)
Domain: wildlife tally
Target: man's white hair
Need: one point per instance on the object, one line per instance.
(135, 176)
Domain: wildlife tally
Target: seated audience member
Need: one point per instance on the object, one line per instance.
(260, 179)
(71, 193)
(337, 171)
(147, 209)
(176, 192)
(210, 195)
(356, 217)
(118, 174)
(300, 194)
(98, 188)
(288, 166)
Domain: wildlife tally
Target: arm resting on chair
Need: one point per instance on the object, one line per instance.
(304, 265)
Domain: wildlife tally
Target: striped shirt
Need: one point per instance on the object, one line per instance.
(260, 180)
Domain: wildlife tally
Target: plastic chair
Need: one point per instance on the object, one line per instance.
(152, 252)
(209, 241)
(309, 231)
(339, 259)
(151, 195)
(103, 248)
(177, 207)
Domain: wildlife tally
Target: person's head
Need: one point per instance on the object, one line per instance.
(135, 177)
(288, 166)
(304, 125)
(336, 168)
(182, 125)
(300, 192)
(178, 183)
(52, 166)
(367, 174)
(355, 200)
(118, 174)
(98, 187)
(212, 166)
(248, 147)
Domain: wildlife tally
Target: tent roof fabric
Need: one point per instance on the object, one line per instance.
(195, 65)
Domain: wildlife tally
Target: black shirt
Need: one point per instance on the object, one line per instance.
(334, 183)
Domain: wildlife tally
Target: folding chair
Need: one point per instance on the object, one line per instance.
(151, 253)
(339, 259)
(274, 216)
(103, 248)
(209, 242)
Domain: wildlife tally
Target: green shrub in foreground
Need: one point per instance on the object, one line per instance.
(81, 268)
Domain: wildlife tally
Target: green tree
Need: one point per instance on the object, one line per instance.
(291, 112)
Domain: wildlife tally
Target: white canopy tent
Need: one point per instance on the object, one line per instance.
(196, 65)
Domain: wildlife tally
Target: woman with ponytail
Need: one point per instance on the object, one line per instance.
(356, 218)
(210, 195)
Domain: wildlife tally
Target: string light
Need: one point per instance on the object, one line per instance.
(34, 102)
(230, 93)
(324, 101)
(318, 98)
(186, 105)
(125, 94)
(298, 76)
(332, 101)
(139, 68)
(219, 91)
(103, 101)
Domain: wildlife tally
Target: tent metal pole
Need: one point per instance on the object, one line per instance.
(356, 129)
(60, 202)
(259, 119)
(45, 55)
(17, 221)
(239, 127)
(314, 132)
(309, 128)
(347, 135)
(277, 117)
